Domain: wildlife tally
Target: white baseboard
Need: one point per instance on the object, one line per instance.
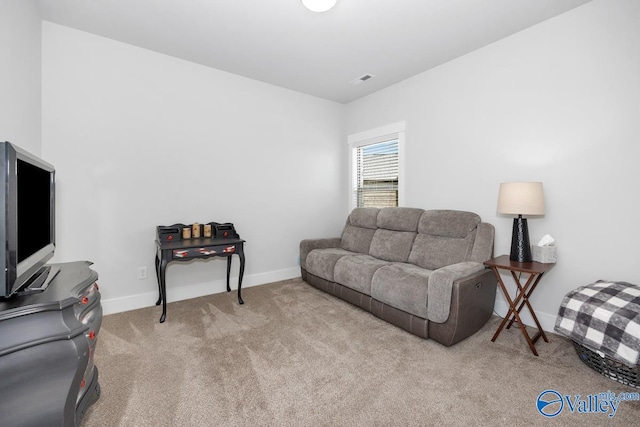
(148, 299)
(547, 321)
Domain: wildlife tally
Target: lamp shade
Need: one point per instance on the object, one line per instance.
(521, 198)
(319, 5)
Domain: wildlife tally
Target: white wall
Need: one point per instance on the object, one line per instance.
(20, 74)
(558, 103)
(141, 139)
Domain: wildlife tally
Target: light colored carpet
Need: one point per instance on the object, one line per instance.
(295, 356)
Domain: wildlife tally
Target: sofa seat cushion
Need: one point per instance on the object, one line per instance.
(322, 262)
(402, 286)
(356, 272)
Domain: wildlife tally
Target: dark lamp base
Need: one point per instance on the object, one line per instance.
(520, 247)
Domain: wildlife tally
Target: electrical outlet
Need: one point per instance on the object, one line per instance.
(142, 273)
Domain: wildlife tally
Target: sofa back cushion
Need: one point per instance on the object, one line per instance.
(397, 228)
(444, 237)
(390, 245)
(399, 219)
(359, 230)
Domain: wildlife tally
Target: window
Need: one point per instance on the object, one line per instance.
(376, 167)
(376, 175)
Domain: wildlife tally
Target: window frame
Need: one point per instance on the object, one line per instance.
(374, 136)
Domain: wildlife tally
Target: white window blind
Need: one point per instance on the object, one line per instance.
(376, 170)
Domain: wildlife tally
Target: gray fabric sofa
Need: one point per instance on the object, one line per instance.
(419, 270)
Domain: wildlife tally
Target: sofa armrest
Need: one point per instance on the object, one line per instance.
(472, 301)
(308, 245)
(440, 283)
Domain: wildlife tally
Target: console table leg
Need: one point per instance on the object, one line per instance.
(158, 279)
(240, 275)
(228, 272)
(163, 288)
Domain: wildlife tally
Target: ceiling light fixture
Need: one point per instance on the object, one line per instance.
(319, 5)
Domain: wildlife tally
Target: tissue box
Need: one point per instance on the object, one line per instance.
(545, 254)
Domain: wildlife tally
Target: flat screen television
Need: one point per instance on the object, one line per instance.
(27, 222)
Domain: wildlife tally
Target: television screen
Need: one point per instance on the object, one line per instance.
(34, 222)
(27, 222)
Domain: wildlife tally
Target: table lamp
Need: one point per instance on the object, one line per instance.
(520, 198)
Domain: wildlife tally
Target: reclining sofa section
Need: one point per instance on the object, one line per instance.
(419, 270)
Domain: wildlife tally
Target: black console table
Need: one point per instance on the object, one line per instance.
(47, 346)
(177, 249)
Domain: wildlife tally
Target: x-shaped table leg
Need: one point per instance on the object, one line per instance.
(522, 298)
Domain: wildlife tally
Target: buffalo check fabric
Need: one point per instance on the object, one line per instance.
(605, 317)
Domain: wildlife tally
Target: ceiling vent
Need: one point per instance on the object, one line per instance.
(361, 79)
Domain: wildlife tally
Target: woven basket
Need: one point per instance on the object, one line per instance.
(609, 367)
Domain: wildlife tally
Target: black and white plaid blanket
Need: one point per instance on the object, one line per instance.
(605, 317)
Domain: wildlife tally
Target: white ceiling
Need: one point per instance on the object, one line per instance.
(281, 42)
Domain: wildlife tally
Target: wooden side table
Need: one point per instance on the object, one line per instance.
(535, 270)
